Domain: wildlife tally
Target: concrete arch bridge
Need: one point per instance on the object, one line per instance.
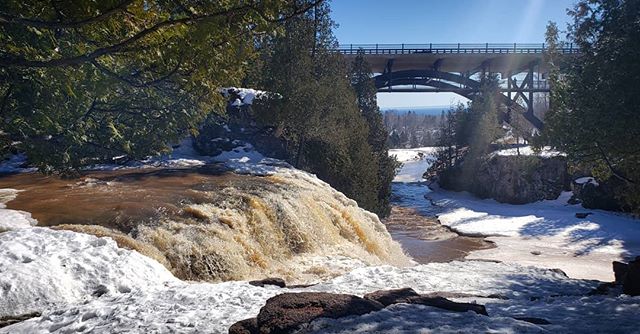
(456, 68)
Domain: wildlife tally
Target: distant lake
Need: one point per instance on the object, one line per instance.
(418, 110)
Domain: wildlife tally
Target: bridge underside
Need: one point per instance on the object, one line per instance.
(517, 95)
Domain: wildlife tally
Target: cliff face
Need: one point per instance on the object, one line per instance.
(513, 179)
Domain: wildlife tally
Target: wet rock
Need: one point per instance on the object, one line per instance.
(287, 312)
(449, 305)
(10, 320)
(559, 271)
(533, 320)
(631, 283)
(602, 289)
(582, 215)
(247, 326)
(388, 297)
(620, 271)
(279, 282)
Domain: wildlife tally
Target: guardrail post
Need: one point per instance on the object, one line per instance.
(570, 47)
(350, 48)
(486, 48)
(514, 47)
(376, 48)
(402, 48)
(430, 47)
(458, 47)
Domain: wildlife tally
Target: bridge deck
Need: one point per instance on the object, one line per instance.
(501, 58)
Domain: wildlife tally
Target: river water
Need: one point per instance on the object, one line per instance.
(413, 222)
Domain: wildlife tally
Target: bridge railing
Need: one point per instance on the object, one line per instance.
(493, 48)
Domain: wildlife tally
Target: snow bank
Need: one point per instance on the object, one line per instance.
(12, 219)
(43, 269)
(546, 152)
(545, 234)
(185, 307)
(415, 161)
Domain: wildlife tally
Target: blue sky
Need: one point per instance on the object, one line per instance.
(436, 21)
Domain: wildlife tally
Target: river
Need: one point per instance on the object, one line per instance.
(413, 222)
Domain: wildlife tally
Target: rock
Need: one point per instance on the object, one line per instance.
(599, 195)
(583, 215)
(631, 283)
(536, 252)
(559, 271)
(449, 305)
(10, 320)
(620, 271)
(279, 282)
(388, 297)
(288, 312)
(285, 313)
(247, 326)
(602, 289)
(535, 321)
(512, 179)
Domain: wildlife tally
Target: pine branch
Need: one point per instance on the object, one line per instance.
(10, 19)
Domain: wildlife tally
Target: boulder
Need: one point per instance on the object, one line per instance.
(247, 326)
(449, 305)
(388, 297)
(631, 283)
(620, 271)
(279, 282)
(288, 312)
(285, 313)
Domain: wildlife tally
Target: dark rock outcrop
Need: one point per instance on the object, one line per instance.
(279, 282)
(218, 134)
(598, 195)
(631, 283)
(512, 179)
(247, 326)
(388, 297)
(10, 320)
(288, 312)
(620, 271)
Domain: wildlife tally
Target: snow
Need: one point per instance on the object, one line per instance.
(246, 95)
(546, 152)
(43, 268)
(545, 234)
(63, 270)
(12, 219)
(586, 180)
(415, 161)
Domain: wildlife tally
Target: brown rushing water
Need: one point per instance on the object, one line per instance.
(125, 200)
(117, 199)
(426, 240)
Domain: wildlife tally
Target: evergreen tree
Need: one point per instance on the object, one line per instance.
(365, 89)
(316, 111)
(84, 81)
(595, 116)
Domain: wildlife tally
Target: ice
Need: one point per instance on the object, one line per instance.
(545, 234)
(415, 162)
